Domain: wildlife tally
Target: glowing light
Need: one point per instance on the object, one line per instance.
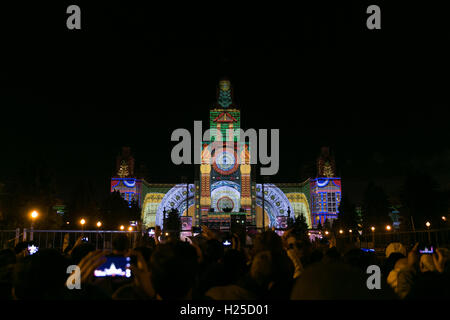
(309, 233)
(350, 230)
(99, 224)
(388, 227)
(32, 249)
(428, 224)
(226, 243)
(130, 228)
(444, 218)
(131, 183)
(112, 271)
(34, 214)
(167, 233)
(322, 182)
(326, 232)
(122, 227)
(82, 221)
(341, 231)
(373, 228)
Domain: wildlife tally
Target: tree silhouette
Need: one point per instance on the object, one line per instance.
(422, 199)
(300, 226)
(376, 207)
(172, 222)
(347, 218)
(115, 211)
(319, 226)
(327, 225)
(82, 204)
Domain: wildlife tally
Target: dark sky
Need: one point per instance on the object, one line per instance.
(133, 74)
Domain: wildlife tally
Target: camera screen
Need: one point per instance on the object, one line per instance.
(426, 250)
(115, 266)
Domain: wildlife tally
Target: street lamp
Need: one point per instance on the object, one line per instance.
(82, 222)
(99, 224)
(34, 215)
(122, 227)
(130, 228)
(373, 236)
(326, 232)
(341, 231)
(444, 218)
(428, 225)
(388, 228)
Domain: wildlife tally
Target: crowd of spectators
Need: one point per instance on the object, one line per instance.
(265, 267)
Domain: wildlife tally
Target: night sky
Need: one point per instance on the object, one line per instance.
(133, 74)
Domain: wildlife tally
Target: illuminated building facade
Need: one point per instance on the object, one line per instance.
(225, 189)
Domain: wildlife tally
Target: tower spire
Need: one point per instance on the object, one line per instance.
(224, 94)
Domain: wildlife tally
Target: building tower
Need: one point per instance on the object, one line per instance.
(325, 189)
(225, 181)
(125, 181)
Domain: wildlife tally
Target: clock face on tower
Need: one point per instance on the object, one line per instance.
(225, 162)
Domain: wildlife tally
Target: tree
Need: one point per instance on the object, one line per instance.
(375, 207)
(82, 203)
(114, 211)
(347, 218)
(134, 212)
(300, 226)
(319, 226)
(290, 222)
(34, 188)
(327, 224)
(422, 200)
(172, 223)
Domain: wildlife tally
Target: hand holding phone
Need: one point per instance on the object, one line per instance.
(426, 249)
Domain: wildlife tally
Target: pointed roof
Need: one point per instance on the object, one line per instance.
(225, 117)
